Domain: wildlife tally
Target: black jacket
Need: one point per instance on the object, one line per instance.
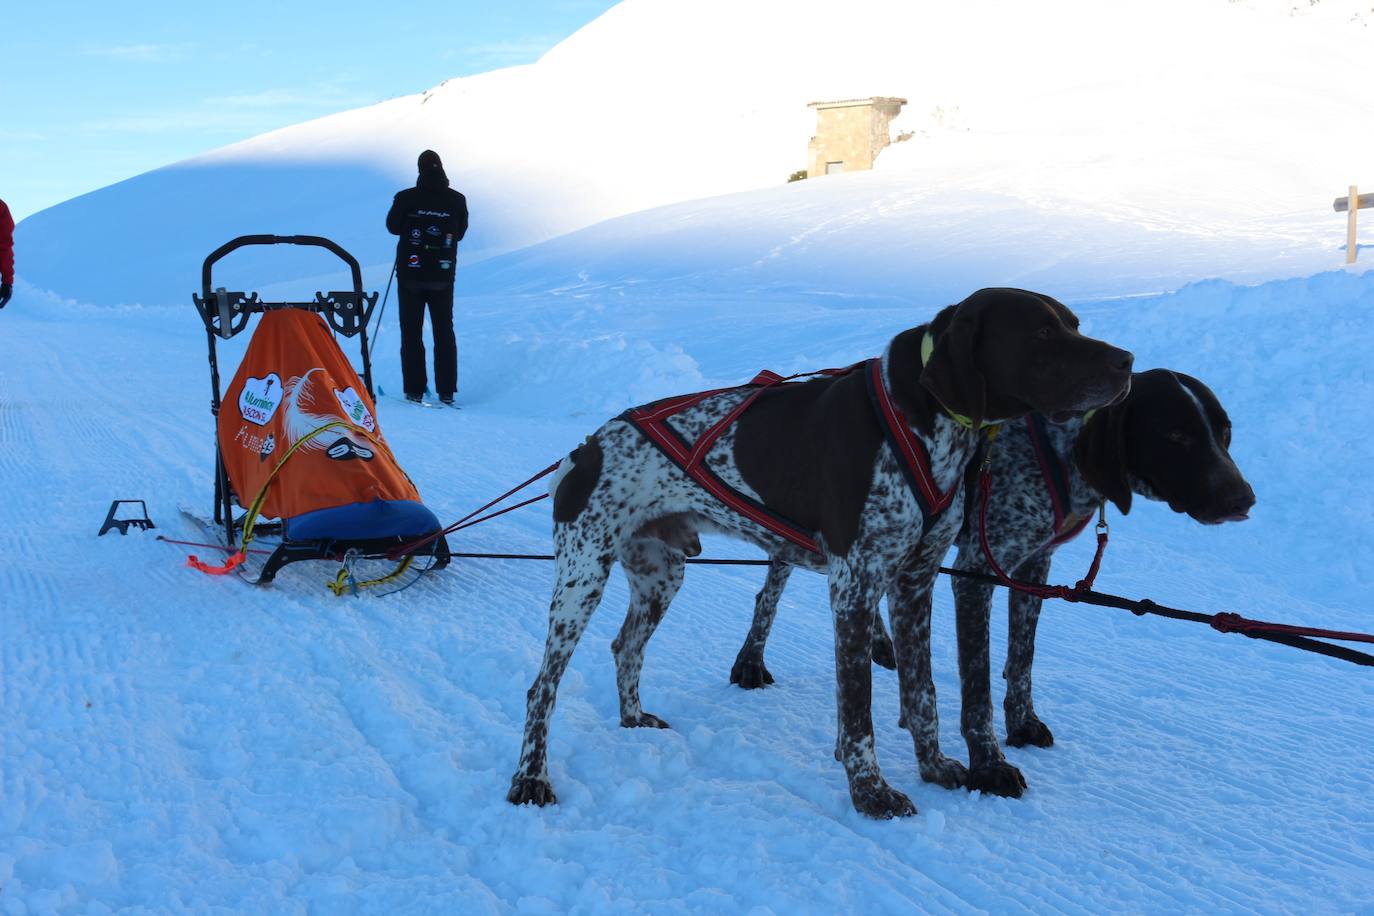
(430, 218)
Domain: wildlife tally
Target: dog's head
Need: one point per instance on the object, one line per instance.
(1003, 353)
(1168, 440)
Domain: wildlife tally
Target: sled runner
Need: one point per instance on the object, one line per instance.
(297, 437)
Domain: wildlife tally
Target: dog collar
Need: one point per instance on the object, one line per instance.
(927, 348)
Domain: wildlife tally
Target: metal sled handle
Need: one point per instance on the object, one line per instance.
(246, 240)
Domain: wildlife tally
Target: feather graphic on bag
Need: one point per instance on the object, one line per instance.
(300, 419)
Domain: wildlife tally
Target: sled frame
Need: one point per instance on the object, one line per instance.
(225, 314)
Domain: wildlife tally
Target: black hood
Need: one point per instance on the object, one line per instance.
(431, 171)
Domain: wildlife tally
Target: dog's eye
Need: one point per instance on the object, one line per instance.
(1178, 437)
(1043, 333)
(1226, 437)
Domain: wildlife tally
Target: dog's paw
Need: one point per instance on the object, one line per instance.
(750, 674)
(1032, 732)
(876, 799)
(531, 790)
(945, 772)
(883, 654)
(997, 779)
(643, 720)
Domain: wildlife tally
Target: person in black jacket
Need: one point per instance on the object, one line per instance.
(430, 218)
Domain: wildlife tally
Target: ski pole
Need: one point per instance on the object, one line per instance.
(382, 311)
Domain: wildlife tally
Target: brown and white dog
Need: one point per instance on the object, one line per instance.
(814, 453)
(1168, 440)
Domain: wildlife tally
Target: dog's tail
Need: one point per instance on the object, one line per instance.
(572, 483)
(564, 467)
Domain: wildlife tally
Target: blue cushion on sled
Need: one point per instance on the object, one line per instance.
(378, 518)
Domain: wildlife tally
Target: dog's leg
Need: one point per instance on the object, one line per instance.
(655, 573)
(988, 769)
(1023, 614)
(854, 593)
(909, 606)
(749, 671)
(584, 561)
(884, 656)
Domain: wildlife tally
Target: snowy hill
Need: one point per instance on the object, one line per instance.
(1186, 115)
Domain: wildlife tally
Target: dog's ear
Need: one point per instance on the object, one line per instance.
(1100, 452)
(951, 374)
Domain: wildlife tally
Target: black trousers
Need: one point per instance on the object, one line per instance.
(412, 304)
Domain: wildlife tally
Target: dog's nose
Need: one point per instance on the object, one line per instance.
(1240, 500)
(1235, 503)
(1120, 360)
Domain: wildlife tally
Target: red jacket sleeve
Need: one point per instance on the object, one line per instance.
(6, 244)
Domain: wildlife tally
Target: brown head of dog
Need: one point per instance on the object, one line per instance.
(1168, 440)
(1004, 353)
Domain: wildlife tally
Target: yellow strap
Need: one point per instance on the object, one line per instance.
(340, 584)
(255, 508)
(927, 348)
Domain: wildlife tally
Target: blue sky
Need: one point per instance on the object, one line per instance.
(95, 92)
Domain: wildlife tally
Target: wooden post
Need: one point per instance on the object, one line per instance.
(1352, 248)
(1356, 201)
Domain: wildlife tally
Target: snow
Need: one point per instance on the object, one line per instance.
(174, 742)
(1197, 115)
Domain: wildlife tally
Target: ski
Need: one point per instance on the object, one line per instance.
(425, 402)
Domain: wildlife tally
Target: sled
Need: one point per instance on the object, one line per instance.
(297, 439)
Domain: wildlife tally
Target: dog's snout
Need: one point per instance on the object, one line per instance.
(1231, 504)
(1240, 500)
(1120, 360)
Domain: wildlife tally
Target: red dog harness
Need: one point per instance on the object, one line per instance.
(652, 421)
(1056, 481)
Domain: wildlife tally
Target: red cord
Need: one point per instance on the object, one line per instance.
(230, 564)
(1040, 591)
(1234, 623)
(412, 546)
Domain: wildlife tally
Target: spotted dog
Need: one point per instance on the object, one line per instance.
(813, 453)
(1168, 440)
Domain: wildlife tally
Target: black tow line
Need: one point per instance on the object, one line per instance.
(1223, 623)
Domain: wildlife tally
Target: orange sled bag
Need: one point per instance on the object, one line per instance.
(299, 439)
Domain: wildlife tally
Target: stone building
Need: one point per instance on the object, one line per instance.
(850, 133)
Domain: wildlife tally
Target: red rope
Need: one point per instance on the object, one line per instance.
(1086, 583)
(210, 546)
(412, 546)
(1083, 586)
(478, 521)
(1234, 623)
(230, 564)
(1225, 622)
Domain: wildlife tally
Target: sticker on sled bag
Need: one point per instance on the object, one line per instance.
(260, 398)
(355, 409)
